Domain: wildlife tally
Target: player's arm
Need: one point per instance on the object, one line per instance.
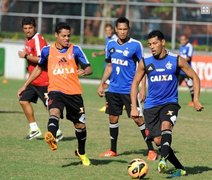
(35, 73)
(82, 60)
(140, 74)
(196, 82)
(100, 53)
(23, 54)
(105, 77)
(142, 92)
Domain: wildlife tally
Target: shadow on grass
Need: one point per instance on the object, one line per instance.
(96, 162)
(140, 152)
(11, 112)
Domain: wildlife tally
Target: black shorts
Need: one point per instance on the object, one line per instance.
(75, 110)
(155, 116)
(32, 93)
(116, 101)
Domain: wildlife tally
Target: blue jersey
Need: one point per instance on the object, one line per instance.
(124, 60)
(162, 80)
(186, 51)
(78, 54)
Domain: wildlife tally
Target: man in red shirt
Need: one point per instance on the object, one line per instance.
(38, 88)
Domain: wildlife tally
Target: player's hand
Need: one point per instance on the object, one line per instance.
(81, 72)
(93, 54)
(20, 91)
(22, 54)
(100, 90)
(134, 112)
(198, 106)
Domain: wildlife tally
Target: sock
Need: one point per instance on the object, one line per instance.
(114, 130)
(173, 159)
(166, 141)
(148, 142)
(189, 83)
(53, 124)
(81, 135)
(33, 126)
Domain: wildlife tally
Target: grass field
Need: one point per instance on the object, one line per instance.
(21, 159)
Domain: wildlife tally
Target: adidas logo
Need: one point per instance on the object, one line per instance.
(150, 68)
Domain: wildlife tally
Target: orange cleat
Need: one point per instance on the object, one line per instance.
(152, 155)
(108, 153)
(51, 141)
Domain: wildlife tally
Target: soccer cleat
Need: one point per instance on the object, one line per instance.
(108, 153)
(84, 158)
(152, 155)
(162, 166)
(59, 135)
(34, 134)
(191, 104)
(102, 109)
(51, 141)
(178, 173)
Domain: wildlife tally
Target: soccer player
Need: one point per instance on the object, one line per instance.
(63, 61)
(109, 36)
(122, 56)
(161, 104)
(37, 88)
(109, 32)
(186, 51)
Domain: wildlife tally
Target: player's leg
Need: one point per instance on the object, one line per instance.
(28, 96)
(55, 106)
(189, 83)
(43, 95)
(152, 154)
(168, 116)
(114, 109)
(76, 113)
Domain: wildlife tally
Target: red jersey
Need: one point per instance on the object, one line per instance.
(33, 47)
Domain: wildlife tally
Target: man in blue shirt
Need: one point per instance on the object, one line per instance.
(161, 104)
(122, 56)
(186, 51)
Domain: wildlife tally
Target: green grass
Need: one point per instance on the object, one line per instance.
(21, 159)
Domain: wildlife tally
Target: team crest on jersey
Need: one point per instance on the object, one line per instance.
(112, 50)
(169, 65)
(70, 56)
(126, 52)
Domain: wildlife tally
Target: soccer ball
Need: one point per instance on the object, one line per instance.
(137, 168)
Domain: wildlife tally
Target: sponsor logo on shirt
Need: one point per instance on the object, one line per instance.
(158, 78)
(119, 62)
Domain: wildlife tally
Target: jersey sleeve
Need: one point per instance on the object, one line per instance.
(190, 50)
(139, 53)
(107, 53)
(44, 57)
(80, 57)
(39, 44)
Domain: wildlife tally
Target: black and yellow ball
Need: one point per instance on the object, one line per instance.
(137, 168)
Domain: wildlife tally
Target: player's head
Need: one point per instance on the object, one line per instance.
(62, 34)
(183, 39)
(29, 27)
(122, 28)
(156, 42)
(109, 30)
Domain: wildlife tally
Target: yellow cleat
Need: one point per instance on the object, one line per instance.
(84, 158)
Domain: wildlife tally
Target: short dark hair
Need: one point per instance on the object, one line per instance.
(28, 21)
(109, 25)
(123, 20)
(62, 25)
(156, 33)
